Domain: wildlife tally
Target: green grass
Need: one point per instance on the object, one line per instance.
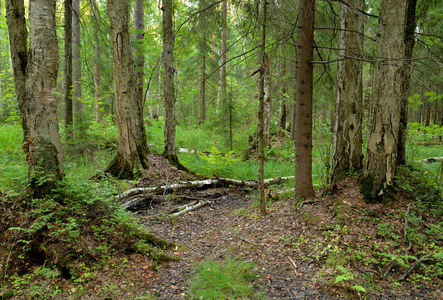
(13, 167)
(231, 279)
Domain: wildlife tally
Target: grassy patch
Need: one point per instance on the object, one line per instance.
(231, 279)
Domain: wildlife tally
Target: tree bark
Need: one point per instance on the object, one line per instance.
(139, 53)
(68, 68)
(348, 141)
(303, 119)
(381, 156)
(267, 101)
(170, 149)
(261, 108)
(133, 147)
(76, 65)
(223, 54)
(406, 87)
(35, 78)
(97, 82)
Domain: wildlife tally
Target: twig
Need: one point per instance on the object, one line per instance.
(247, 241)
(293, 264)
(364, 271)
(402, 277)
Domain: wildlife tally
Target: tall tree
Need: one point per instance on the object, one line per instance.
(267, 100)
(409, 46)
(77, 62)
(202, 66)
(35, 78)
(381, 156)
(96, 70)
(68, 67)
(303, 110)
(223, 53)
(170, 150)
(139, 51)
(348, 154)
(261, 108)
(133, 148)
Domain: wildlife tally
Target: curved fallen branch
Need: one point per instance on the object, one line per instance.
(402, 277)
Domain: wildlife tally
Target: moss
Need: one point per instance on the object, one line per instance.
(367, 186)
(338, 212)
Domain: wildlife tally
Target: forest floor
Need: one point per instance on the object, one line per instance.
(296, 248)
(290, 247)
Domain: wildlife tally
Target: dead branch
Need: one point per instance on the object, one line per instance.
(402, 277)
(191, 207)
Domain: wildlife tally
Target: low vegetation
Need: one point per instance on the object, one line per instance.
(78, 239)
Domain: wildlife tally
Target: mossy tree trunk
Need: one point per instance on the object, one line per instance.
(133, 148)
(381, 156)
(35, 77)
(348, 142)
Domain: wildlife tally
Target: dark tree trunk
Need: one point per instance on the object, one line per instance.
(303, 118)
(409, 46)
(139, 53)
(68, 68)
(261, 108)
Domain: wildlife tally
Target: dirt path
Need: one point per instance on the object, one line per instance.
(231, 226)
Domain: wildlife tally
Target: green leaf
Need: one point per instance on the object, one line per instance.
(358, 288)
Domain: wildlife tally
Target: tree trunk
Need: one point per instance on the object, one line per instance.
(35, 79)
(381, 156)
(261, 127)
(348, 142)
(139, 53)
(77, 65)
(303, 119)
(68, 69)
(97, 83)
(267, 101)
(223, 54)
(406, 87)
(202, 80)
(170, 150)
(133, 148)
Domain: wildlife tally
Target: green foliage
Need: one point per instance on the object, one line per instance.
(231, 279)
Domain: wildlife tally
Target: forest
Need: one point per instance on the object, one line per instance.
(231, 149)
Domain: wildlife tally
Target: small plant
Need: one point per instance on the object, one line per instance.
(231, 279)
(345, 276)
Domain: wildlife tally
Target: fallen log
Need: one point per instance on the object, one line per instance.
(201, 184)
(431, 159)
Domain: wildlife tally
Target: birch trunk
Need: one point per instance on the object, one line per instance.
(35, 77)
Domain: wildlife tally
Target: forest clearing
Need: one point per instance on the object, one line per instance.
(286, 149)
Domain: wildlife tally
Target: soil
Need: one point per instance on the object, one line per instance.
(291, 247)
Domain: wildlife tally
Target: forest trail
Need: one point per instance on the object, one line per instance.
(291, 247)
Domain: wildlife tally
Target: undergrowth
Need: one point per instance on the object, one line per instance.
(79, 227)
(230, 279)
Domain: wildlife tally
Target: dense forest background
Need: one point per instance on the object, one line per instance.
(92, 93)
